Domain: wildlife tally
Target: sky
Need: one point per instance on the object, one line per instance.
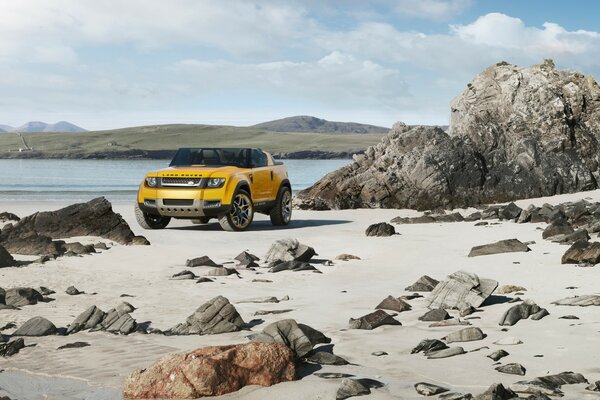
(109, 64)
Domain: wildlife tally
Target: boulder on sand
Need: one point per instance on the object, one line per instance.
(520, 311)
(212, 371)
(581, 301)
(394, 304)
(6, 260)
(300, 338)
(461, 287)
(503, 246)
(380, 229)
(213, 317)
(582, 252)
(21, 296)
(373, 320)
(423, 284)
(36, 326)
(289, 250)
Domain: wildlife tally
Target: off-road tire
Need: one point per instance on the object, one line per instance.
(149, 221)
(281, 214)
(240, 215)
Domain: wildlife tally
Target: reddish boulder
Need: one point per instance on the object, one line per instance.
(212, 371)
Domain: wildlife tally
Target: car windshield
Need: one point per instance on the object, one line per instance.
(211, 157)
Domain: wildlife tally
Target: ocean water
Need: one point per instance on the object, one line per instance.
(82, 180)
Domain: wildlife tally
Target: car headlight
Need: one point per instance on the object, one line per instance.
(151, 181)
(215, 182)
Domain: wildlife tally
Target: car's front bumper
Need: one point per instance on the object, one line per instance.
(192, 208)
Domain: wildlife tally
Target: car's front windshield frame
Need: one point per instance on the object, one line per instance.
(211, 157)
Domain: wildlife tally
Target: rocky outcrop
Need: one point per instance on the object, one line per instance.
(33, 234)
(300, 338)
(117, 320)
(213, 317)
(212, 371)
(461, 288)
(514, 133)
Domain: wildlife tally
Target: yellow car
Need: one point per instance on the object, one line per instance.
(229, 184)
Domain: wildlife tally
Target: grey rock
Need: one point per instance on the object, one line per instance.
(44, 291)
(506, 289)
(535, 388)
(220, 271)
(582, 252)
(512, 368)
(124, 325)
(185, 274)
(292, 266)
(449, 322)
(569, 317)
(332, 375)
(461, 288)
(521, 311)
(267, 299)
(429, 389)
(36, 326)
(351, 388)
(449, 352)
(564, 378)
(203, 261)
(73, 291)
(465, 335)
(213, 317)
(438, 314)
(73, 345)
(125, 307)
(540, 314)
(496, 392)
(289, 250)
(325, 358)
(511, 211)
(204, 280)
(247, 260)
(579, 235)
(498, 354)
(429, 346)
(12, 347)
(594, 387)
(508, 341)
(298, 337)
(502, 246)
(100, 246)
(465, 309)
(78, 248)
(21, 296)
(88, 319)
(270, 312)
(558, 227)
(6, 260)
(455, 396)
(394, 304)
(380, 229)
(580, 301)
(379, 353)
(373, 320)
(423, 284)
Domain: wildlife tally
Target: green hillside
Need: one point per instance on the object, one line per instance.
(170, 137)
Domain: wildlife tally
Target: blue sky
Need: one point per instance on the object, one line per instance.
(115, 63)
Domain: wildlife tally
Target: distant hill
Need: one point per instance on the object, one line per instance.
(38, 126)
(306, 123)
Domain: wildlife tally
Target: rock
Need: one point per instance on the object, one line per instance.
(429, 389)
(123, 324)
(36, 326)
(220, 271)
(33, 234)
(125, 308)
(289, 250)
(455, 396)
(449, 352)
(379, 353)
(203, 261)
(74, 345)
(78, 248)
(536, 389)
(212, 371)
(332, 375)
(564, 378)
(465, 309)
(496, 392)
(247, 260)
(594, 387)
(581, 301)
(268, 312)
(394, 304)
(213, 317)
(100, 246)
(482, 223)
(6, 260)
(520, 311)
(569, 317)
(11, 348)
(21, 296)
(204, 280)
(325, 358)
(262, 281)
(72, 291)
(508, 341)
(351, 388)
(380, 229)
(449, 322)
(540, 314)
(582, 252)
(267, 299)
(8, 217)
(514, 133)
(503, 246)
(90, 318)
(438, 314)
(185, 274)
(513, 369)
(498, 354)
(44, 291)
(506, 289)
(579, 235)
(429, 346)
(299, 337)
(465, 335)
(461, 287)
(511, 211)
(423, 284)
(557, 227)
(292, 266)
(373, 320)
(346, 257)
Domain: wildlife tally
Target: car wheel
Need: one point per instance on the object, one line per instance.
(150, 221)
(281, 214)
(241, 213)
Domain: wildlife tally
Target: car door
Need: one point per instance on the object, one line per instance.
(260, 178)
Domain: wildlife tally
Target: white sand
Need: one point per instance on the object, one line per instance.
(387, 266)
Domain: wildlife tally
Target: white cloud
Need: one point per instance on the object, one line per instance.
(432, 9)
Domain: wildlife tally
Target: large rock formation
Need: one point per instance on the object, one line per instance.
(514, 133)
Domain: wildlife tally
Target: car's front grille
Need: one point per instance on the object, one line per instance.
(178, 202)
(181, 182)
